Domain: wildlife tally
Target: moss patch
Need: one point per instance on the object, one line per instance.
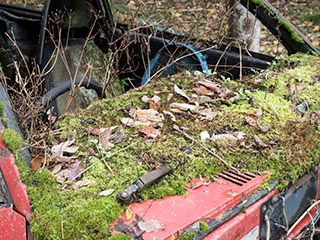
(289, 135)
(11, 139)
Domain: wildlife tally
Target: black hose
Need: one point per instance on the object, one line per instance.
(55, 92)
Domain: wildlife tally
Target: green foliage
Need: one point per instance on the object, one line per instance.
(12, 139)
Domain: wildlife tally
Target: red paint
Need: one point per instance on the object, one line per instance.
(201, 204)
(13, 224)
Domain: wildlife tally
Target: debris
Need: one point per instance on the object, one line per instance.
(150, 132)
(178, 91)
(104, 137)
(129, 214)
(64, 147)
(80, 184)
(175, 127)
(204, 136)
(259, 142)
(154, 102)
(70, 173)
(106, 192)
(211, 85)
(36, 162)
(231, 138)
(173, 118)
(56, 168)
(251, 119)
(151, 226)
(184, 107)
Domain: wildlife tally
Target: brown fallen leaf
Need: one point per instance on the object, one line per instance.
(154, 102)
(104, 138)
(264, 128)
(251, 119)
(36, 162)
(202, 90)
(146, 115)
(227, 94)
(211, 85)
(297, 88)
(150, 132)
(151, 226)
(259, 113)
(70, 173)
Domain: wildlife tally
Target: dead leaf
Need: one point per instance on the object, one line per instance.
(207, 116)
(145, 99)
(296, 88)
(178, 91)
(202, 90)
(151, 226)
(129, 214)
(231, 138)
(130, 122)
(227, 94)
(36, 162)
(146, 115)
(80, 184)
(251, 119)
(173, 118)
(104, 138)
(106, 192)
(154, 102)
(70, 173)
(56, 168)
(150, 132)
(66, 146)
(259, 142)
(184, 107)
(211, 85)
(118, 136)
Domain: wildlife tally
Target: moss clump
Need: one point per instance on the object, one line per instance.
(291, 137)
(12, 139)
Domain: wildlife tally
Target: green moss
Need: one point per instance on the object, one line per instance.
(294, 35)
(120, 237)
(84, 214)
(12, 139)
(1, 109)
(204, 226)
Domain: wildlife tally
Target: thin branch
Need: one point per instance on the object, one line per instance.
(175, 127)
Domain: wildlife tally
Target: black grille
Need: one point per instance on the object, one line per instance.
(236, 177)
